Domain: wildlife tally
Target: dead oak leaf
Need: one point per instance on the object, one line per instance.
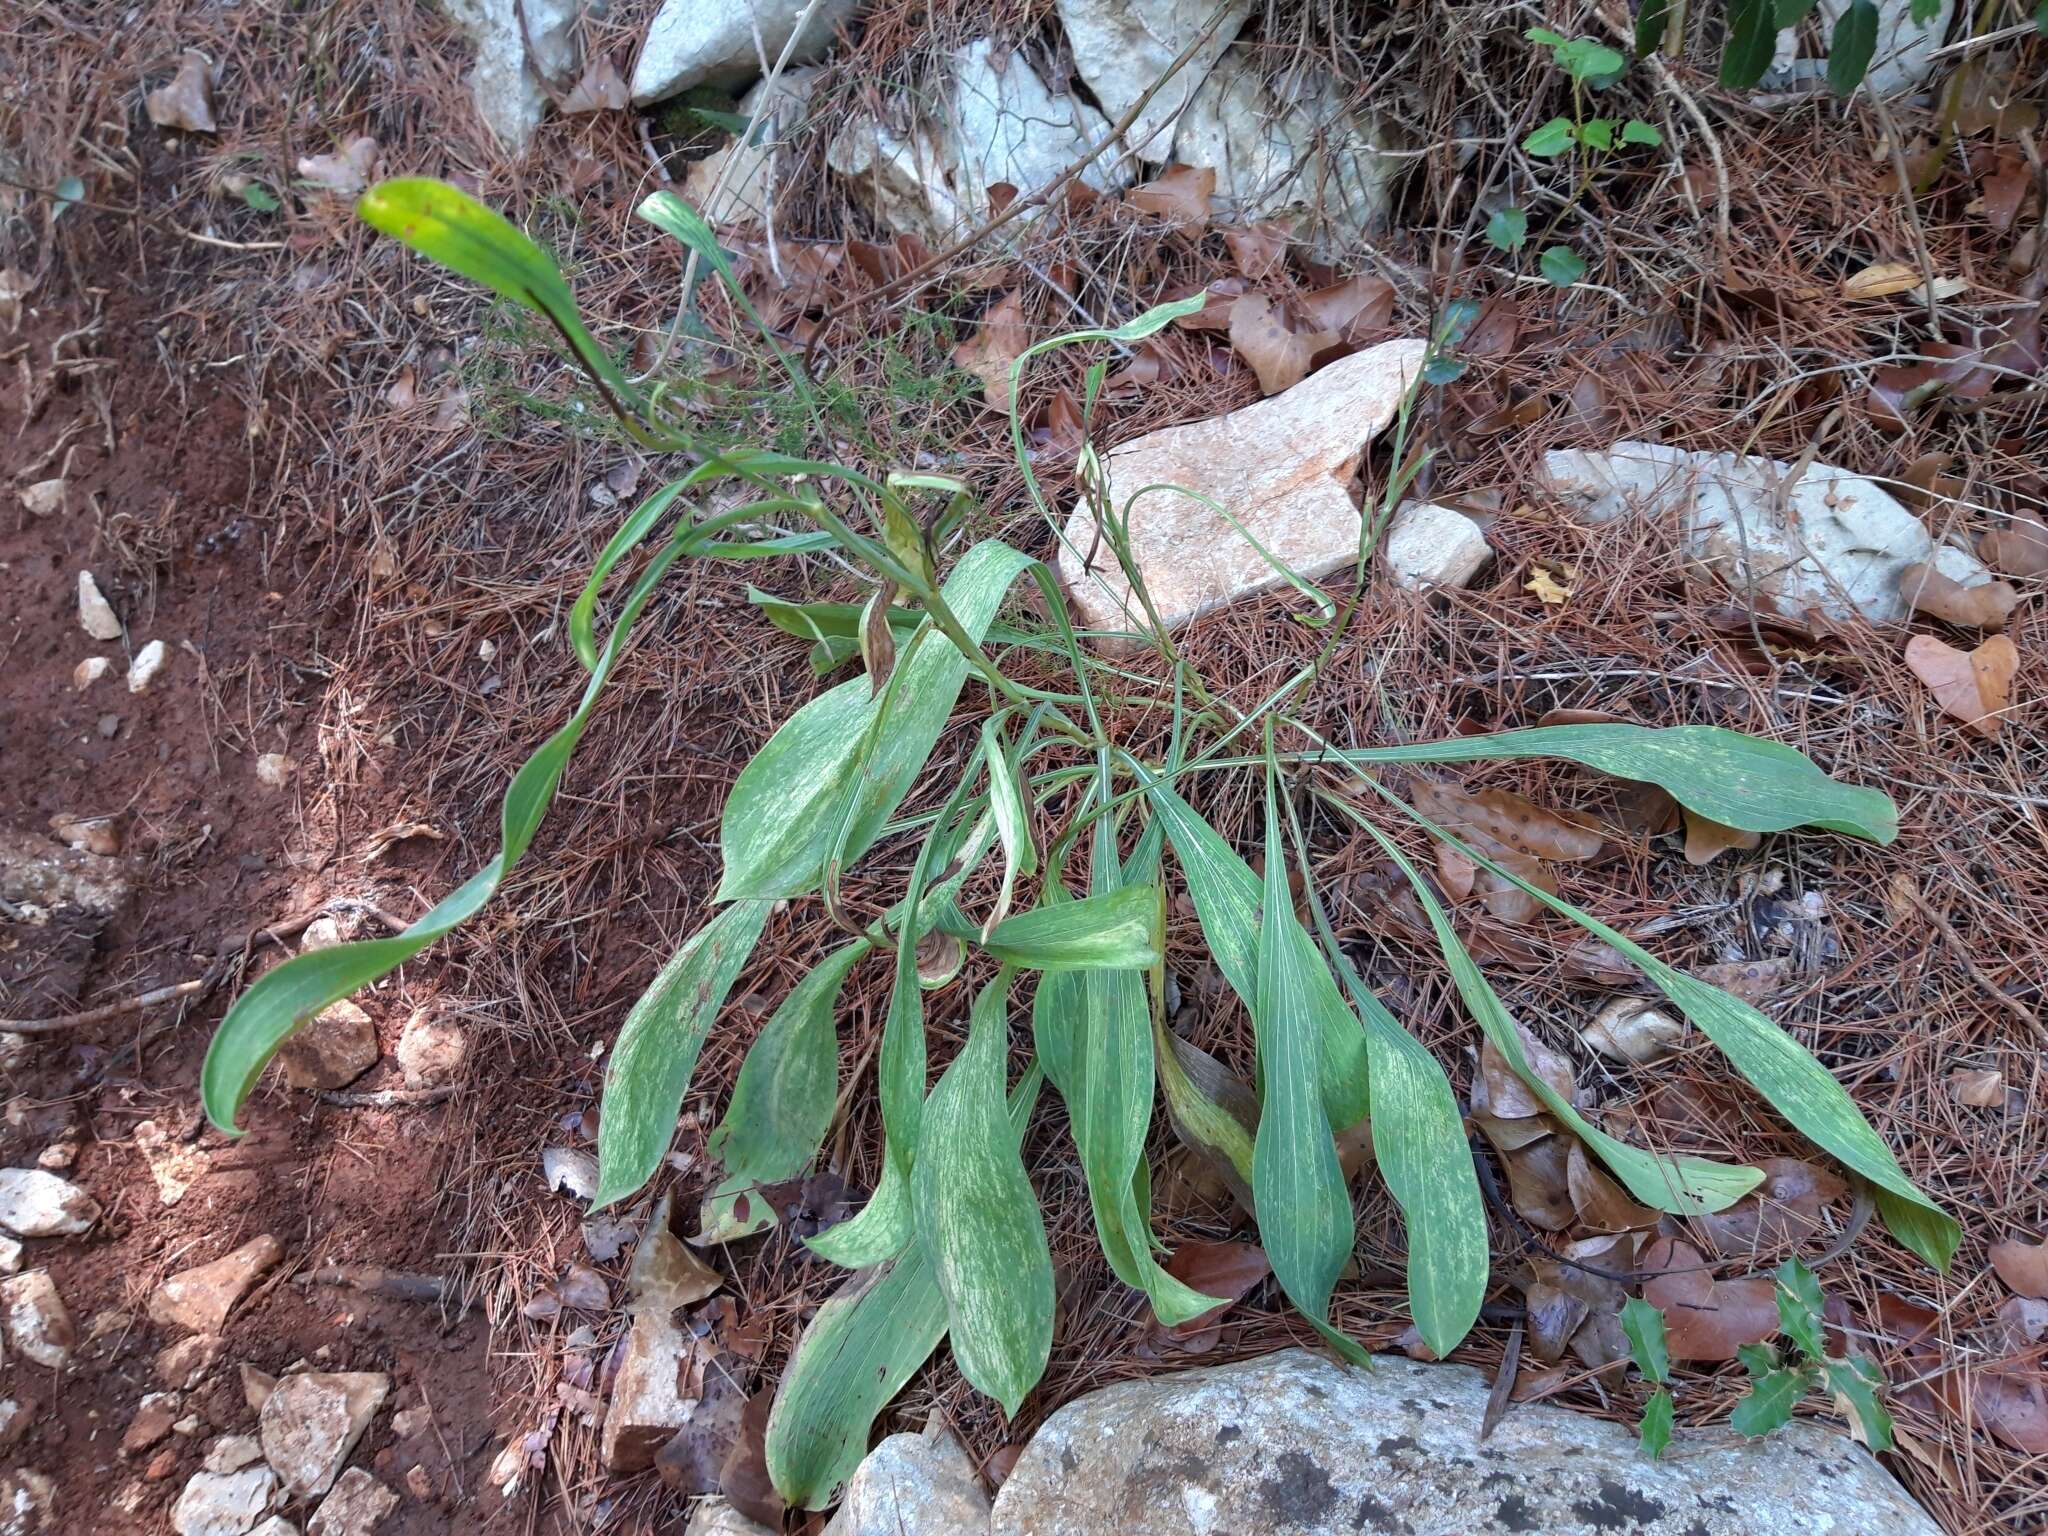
(1985, 606)
(1229, 1271)
(1705, 1318)
(990, 351)
(1980, 1088)
(1260, 250)
(1881, 280)
(2022, 1266)
(186, 102)
(1551, 590)
(1352, 307)
(1279, 354)
(1179, 194)
(347, 171)
(1706, 841)
(2020, 548)
(1973, 686)
(601, 89)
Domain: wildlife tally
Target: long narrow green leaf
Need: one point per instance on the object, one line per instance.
(1686, 1186)
(879, 1230)
(1094, 1035)
(781, 1104)
(1737, 780)
(656, 1052)
(1118, 930)
(1777, 1066)
(1013, 819)
(447, 225)
(779, 826)
(1227, 901)
(1305, 1221)
(286, 996)
(865, 1342)
(977, 1216)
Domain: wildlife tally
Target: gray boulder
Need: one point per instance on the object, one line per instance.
(714, 42)
(505, 80)
(913, 1485)
(1293, 1444)
(1122, 46)
(1835, 542)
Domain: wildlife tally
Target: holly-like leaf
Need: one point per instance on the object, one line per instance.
(1799, 1307)
(1644, 1326)
(1770, 1402)
(1855, 1382)
(1655, 1428)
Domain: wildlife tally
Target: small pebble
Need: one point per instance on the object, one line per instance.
(148, 662)
(274, 770)
(95, 614)
(90, 671)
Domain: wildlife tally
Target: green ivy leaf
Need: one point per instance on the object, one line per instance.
(1561, 265)
(1443, 370)
(1552, 139)
(1644, 1325)
(259, 197)
(1597, 133)
(1508, 229)
(1636, 131)
(1789, 13)
(1545, 36)
(1770, 1402)
(1655, 1428)
(68, 191)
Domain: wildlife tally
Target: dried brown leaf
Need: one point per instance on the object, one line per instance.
(347, 171)
(1228, 1270)
(2018, 549)
(1785, 1209)
(1179, 194)
(2011, 1401)
(1631, 1030)
(1539, 1184)
(1507, 1097)
(1554, 1315)
(999, 341)
(1706, 841)
(1509, 820)
(1601, 1203)
(1353, 307)
(1279, 355)
(1985, 606)
(601, 89)
(1259, 250)
(2023, 1266)
(186, 101)
(1705, 1318)
(1981, 1089)
(1974, 687)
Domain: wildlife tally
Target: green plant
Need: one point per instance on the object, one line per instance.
(1590, 66)
(1779, 1379)
(1078, 825)
(1751, 38)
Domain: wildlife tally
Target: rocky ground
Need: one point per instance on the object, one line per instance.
(292, 523)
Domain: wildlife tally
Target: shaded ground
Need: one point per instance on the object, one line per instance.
(327, 475)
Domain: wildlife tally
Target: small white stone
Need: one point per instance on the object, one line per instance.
(44, 497)
(1431, 546)
(430, 1050)
(223, 1504)
(148, 662)
(487, 650)
(274, 770)
(95, 614)
(10, 1256)
(36, 1203)
(90, 671)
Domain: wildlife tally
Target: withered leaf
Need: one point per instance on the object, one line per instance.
(1554, 1315)
(347, 171)
(1984, 606)
(2024, 1320)
(1705, 840)
(1279, 355)
(1750, 980)
(999, 341)
(1881, 280)
(2012, 1402)
(186, 101)
(1507, 1097)
(1259, 249)
(601, 89)
(1352, 307)
(2018, 549)
(1978, 1088)
(2023, 1266)
(1229, 1270)
(1629, 1029)
(1539, 1184)
(744, 1480)
(1973, 686)
(1926, 481)
(1784, 1210)
(1510, 820)
(1705, 1318)
(1214, 315)
(1601, 1203)
(1179, 194)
